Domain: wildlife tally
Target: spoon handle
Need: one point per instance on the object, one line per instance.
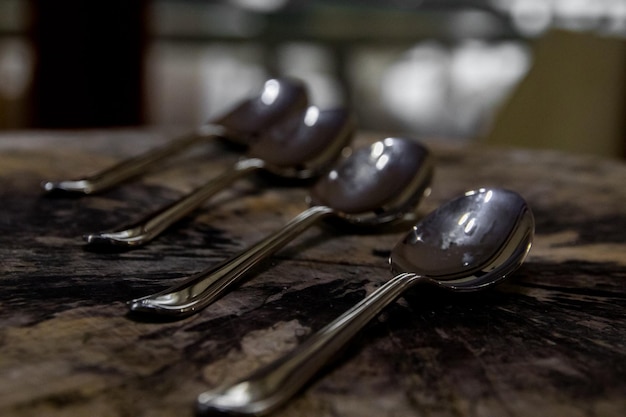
(205, 287)
(131, 167)
(151, 226)
(272, 385)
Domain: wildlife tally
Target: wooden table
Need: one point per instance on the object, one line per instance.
(550, 342)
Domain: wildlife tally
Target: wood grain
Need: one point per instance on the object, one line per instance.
(551, 341)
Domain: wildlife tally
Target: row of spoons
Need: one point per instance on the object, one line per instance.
(364, 187)
(279, 99)
(468, 244)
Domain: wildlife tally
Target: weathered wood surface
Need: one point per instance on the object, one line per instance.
(551, 341)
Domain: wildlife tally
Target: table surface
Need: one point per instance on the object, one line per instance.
(550, 341)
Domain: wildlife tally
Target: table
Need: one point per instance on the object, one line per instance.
(550, 341)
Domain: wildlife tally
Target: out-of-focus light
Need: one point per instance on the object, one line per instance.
(313, 63)
(414, 88)
(616, 17)
(260, 5)
(473, 23)
(452, 91)
(481, 75)
(531, 17)
(190, 84)
(502, 5)
(578, 14)
(200, 19)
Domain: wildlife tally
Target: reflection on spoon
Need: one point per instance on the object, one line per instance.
(279, 98)
(303, 146)
(468, 244)
(372, 186)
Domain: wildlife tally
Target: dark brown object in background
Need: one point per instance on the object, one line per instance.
(89, 62)
(573, 98)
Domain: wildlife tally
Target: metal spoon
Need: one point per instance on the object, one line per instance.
(468, 244)
(374, 185)
(303, 146)
(279, 98)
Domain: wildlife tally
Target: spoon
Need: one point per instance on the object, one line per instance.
(302, 146)
(468, 244)
(372, 186)
(279, 98)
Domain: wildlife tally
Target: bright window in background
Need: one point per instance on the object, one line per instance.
(205, 57)
(188, 84)
(452, 91)
(534, 17)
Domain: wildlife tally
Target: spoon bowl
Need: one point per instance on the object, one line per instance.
(279, 98)
(398, 183)
(378, 184)
(302, 147)
(468, 244)
(306, 144)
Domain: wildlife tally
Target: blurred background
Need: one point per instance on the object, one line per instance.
(532, 73)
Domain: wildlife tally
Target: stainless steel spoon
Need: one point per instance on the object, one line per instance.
(468, 244)
(374, 185)
(278, 99)
(302, 146)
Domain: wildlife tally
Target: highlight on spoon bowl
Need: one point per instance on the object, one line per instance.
(467, 244)
(279, 98)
